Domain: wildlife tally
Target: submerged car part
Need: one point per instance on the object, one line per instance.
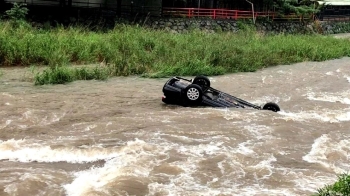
(198, 92)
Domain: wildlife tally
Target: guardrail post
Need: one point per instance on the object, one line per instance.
(236, 14)
(214, 14)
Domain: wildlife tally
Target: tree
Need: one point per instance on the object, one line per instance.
(17, 12)
(300, 7)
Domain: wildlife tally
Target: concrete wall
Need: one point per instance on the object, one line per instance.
(184, 25)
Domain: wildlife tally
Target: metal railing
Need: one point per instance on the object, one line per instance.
(326, 15)
(211, 13)
(227, 14)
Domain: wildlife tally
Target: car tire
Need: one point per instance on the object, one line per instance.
(272, 107)
(193, 95)
(202, 81)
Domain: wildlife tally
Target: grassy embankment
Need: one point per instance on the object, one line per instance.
(136, 51)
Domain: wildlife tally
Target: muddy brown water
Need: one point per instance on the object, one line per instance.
(117, 138)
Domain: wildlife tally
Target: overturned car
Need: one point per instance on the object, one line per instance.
(198, 92)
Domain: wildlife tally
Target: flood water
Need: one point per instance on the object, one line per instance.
(116, 137)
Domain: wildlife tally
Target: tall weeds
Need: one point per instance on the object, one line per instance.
(130, 50)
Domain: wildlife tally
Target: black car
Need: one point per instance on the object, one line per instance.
(198, 92)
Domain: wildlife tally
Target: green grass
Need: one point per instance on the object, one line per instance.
(137, 51)
(65, 74)
(339, 188)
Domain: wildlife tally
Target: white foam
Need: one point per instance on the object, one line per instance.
(38, 117)
(138, 159)
(330, 73)
(25, 151)
(260, 132)
(8, 95)
(201, 149)
(230, 183)
(347, 78)
(245, 148)
(341, 97)
(232, 114)
(7, 122)
(302, 116)
(310, 183)
(265, 99)
(208, 189)
(83, 127)
(323, 147)
(318, 149)
(90, 127)
(265, 164)
(181, 137)
(343, 116)
(332, 116)
(133, 160)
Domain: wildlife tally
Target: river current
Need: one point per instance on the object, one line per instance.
(116, 137)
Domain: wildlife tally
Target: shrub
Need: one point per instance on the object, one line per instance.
(339, 188)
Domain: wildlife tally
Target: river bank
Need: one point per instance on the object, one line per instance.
(131, 50)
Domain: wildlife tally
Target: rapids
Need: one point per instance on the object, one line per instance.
(116, 137)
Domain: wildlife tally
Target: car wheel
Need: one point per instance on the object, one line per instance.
(201, 81)
(193, 94)
(271, 106)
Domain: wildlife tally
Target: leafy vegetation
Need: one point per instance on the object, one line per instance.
(65, 74)
(17, 12)
(131, 50)
(293, 6)
(339, 188)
